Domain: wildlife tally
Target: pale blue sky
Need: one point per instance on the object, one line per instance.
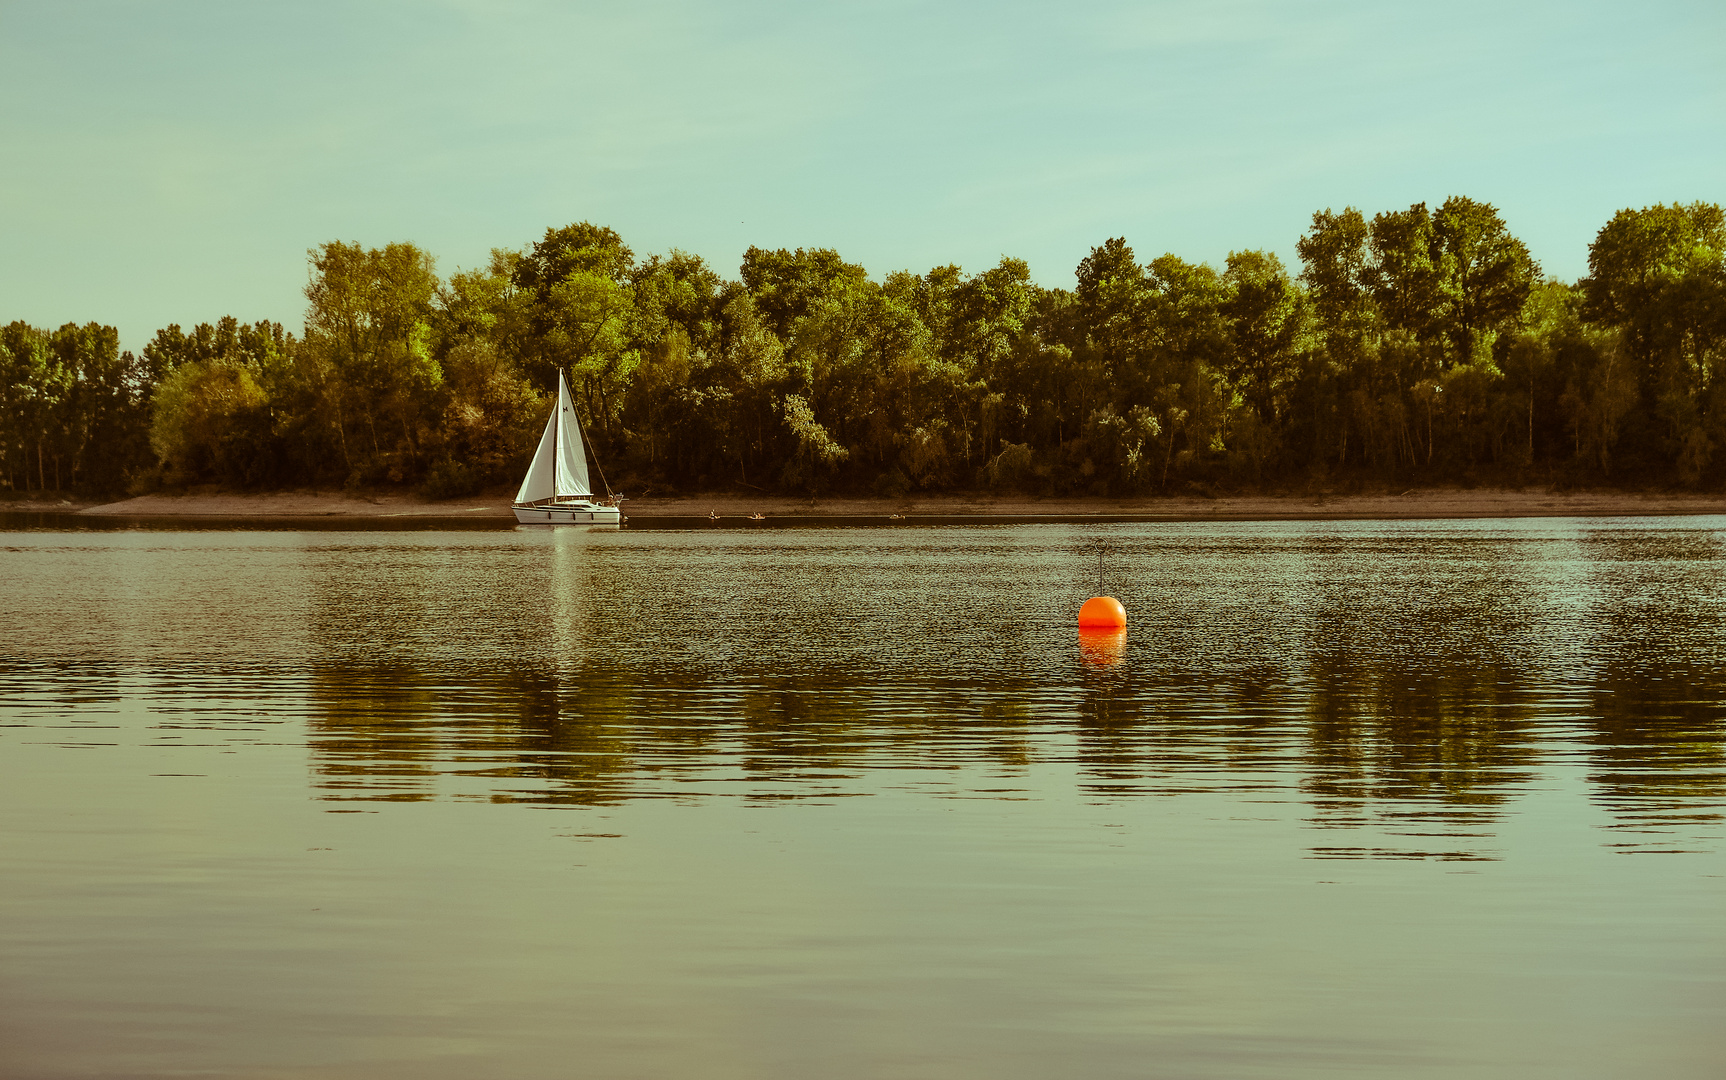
(172, 161)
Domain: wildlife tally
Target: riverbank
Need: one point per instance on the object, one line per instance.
(1421, 503)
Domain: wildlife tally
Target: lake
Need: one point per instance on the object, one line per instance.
(1412, 799)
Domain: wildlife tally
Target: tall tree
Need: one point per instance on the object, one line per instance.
(788, 285)
(74, 405)
(1655, 273)
(1658, 276)
(1401, 277)
(583, 316)
(580, 248)
(36, 386)
(211, 416)
(368, 352)
(1484, 276)
(1266, 314)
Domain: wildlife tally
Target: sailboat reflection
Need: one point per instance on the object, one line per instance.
(1102, 648)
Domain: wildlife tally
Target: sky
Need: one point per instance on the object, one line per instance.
(171, 162)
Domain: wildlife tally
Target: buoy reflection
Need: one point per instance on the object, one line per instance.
(1101, 648)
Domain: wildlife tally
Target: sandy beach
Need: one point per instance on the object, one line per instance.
(1421, 503)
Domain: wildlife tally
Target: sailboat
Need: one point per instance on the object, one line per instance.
(555, 490)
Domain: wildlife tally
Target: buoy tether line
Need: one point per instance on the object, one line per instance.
(1102, 612)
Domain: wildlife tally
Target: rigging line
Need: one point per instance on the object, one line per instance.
(601, 469)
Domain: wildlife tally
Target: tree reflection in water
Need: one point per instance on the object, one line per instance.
(1413, 678)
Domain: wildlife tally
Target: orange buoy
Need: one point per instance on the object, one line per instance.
(1102, 612)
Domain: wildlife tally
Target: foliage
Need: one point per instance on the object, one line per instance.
(73, 409)
(1417, 345)
(211, 418)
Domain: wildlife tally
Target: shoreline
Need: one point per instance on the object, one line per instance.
(733, 508)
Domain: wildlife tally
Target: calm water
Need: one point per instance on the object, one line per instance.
(1419, 799)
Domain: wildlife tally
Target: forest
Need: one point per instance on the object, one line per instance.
(1417, 347)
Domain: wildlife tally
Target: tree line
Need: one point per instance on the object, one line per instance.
(1420, 346)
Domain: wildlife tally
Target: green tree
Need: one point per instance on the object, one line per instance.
(1334, 267)
(816, 449)
(1184, 375)
(36, 386)
(201, 411)
(587, 319)
(787, 286)
(75, 417)
(1344, 390)
(1658, 275)
(366, 358)
(1401, 276)
(755, 375)
(487, 412)
(580, 281)
(1266, 313)
(579, 248)
(821, 308)
(211, 410)
(1483, 278)
(1530, 362)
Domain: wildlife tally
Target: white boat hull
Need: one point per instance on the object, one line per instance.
(568, 514)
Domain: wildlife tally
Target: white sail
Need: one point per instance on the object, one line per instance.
(571, 455)
(559, 468)
(541, 479)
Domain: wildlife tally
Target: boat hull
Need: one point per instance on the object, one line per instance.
(577, 514)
